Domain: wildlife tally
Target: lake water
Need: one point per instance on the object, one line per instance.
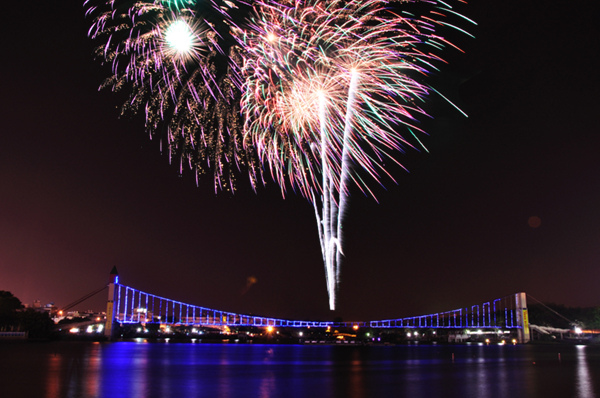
(130, 369)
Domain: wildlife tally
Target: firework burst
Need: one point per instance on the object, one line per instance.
(179, 62)
(294, 54)
(330, 88)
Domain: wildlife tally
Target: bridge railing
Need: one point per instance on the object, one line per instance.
(135, 306)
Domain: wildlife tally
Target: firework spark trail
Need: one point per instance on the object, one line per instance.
(328, 242)
(329, 220)
(329, 84)
(345, 172)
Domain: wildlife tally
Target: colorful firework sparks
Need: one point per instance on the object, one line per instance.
(179, 60)
(297, 53)
(329, 88)
(326, 89)
(177, 4)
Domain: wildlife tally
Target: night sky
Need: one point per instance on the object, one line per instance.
(507, 200)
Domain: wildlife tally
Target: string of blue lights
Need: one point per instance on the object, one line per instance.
(136, 306)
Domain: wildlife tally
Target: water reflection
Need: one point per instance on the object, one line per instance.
(585, 388)
(267, 385)
(483, 371)
(228, 371)
(140, 379)
(74, 372)
(53, 375)
(92, 379)
(482, 384)
(357, 379)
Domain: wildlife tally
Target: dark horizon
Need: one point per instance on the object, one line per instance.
(505, 201)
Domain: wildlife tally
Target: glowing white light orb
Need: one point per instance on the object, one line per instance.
(180, 37)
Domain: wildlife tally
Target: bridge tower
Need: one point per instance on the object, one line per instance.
(522, 317)
(110, 309)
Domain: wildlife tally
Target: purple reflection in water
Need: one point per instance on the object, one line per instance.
(129, 369)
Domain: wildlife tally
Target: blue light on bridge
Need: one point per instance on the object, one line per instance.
(171, 313)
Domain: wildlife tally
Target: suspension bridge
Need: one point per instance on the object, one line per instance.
(127, 305)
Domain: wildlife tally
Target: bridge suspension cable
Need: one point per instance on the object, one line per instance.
(550, 309)
(84, 298)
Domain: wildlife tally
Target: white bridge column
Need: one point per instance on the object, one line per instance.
(523, 335)
(110, 310)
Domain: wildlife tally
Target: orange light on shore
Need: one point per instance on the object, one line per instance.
(355, 327)
(269, 329)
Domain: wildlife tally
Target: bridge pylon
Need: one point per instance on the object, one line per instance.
(109, 328)
(523, 335)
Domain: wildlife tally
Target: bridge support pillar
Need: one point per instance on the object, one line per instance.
(109, 327)
(522, 318)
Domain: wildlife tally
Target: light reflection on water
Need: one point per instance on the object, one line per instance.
(584, 383)
(130, 369)
(52, 376)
